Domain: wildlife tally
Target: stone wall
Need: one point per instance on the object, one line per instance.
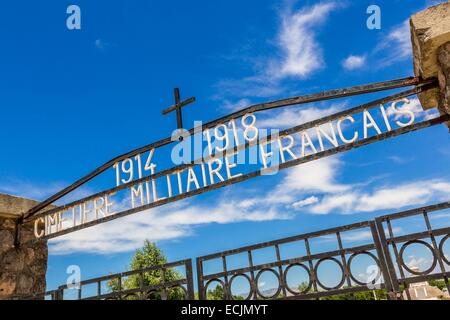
(22, 268)
(430, 34)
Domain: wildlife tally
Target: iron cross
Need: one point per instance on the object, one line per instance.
(177, 106)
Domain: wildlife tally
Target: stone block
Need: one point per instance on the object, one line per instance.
(430, 29)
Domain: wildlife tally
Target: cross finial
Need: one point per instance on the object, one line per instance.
(177, 106)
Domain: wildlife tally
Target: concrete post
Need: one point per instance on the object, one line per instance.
(22, 268)
(430, 33)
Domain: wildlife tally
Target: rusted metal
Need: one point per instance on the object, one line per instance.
(376, 246)
(327, 95)
(247, 145)
(142, 292)
(280, 267)
(406, 275)
(244, 177)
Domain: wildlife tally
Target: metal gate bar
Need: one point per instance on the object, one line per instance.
(407, 274)
(115, 289)
(280, 267)
(326, 95)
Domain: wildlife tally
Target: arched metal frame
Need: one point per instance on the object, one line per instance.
(310, 263)
(377, 248)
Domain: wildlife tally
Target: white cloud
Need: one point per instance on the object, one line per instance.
(399, 160)
(400, 36)
(180, 219)
(420, 264)
(235, 106)
(353, 62)
(302, 54)
(29, 190)
(390, 197)
(305, 202)
(339, 203)
(415, 106)
(254, 86)
(356, 236)
(309, 188)
(394, 46)
(297, 53)
(316, 176)
(39, 192)
(164, 223)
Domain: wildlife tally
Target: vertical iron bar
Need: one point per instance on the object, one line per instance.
(254, 285)
(99, 289)
(60, 293)
(120, 287)
(280, 269)
(190, 280)
(201, 288)
(397, 257)
(384, 256)
(311, 266)
(344, 263)
(436, 249)
(141, 284)
(164, 293)
(227, 289)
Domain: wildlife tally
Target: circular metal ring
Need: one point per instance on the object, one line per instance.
(257, 287)
(441, 249)
(402, 261)
(249, 282)
(285, 278)
(342, 271)
(349, 266)
(220, 282)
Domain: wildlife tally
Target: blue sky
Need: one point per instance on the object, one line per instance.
(72, 100)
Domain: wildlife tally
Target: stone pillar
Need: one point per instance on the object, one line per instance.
(430, 34)
(22, 268)
(444, 76)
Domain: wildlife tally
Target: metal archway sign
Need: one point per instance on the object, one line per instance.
(232, 136)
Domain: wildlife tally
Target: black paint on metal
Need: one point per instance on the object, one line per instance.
(244, 177)
(326, 95)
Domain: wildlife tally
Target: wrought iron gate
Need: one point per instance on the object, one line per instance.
(118, 287)
(432, 239)
(377, 240)
(393, 280)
